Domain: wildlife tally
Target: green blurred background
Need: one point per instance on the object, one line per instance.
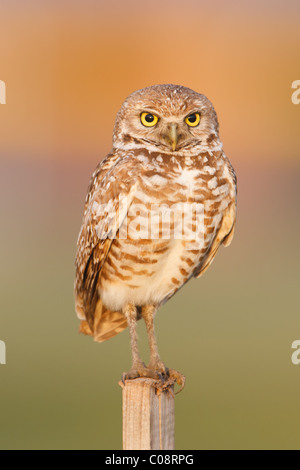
(67, 67)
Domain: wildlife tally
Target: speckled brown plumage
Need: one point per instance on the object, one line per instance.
(120, 276)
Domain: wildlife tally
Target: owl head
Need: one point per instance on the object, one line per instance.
(168, 118)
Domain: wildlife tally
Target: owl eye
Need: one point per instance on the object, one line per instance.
(193, 120)
(148, 119)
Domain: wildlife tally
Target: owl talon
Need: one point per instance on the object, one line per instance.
(164, 380)
(173, 376)
(167, 377)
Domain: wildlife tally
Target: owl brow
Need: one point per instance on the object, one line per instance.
(150, 111)
(194, 112)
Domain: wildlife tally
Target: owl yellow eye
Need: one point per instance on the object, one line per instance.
(148, 119)
(193, 120)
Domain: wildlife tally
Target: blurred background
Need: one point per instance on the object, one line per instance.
(68, 66)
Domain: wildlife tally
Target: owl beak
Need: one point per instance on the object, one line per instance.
(173, 136)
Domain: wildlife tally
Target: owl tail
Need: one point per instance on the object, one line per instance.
(106, 324)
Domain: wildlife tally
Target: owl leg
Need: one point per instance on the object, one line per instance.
(130, 313)
(156, 369)
(169, 376)
(155, 364)
(138, 367)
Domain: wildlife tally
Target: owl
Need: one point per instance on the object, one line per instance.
(157, 210)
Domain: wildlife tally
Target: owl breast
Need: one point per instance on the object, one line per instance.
(169, 229)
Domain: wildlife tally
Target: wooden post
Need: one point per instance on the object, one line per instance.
(148, 415)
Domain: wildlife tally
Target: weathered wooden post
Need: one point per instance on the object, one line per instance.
(148, 415)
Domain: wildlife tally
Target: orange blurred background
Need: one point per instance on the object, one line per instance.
(68, 66)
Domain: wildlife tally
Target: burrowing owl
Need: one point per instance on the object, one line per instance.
(158, 208)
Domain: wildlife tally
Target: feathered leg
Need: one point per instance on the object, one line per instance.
(169, 376)
(138, 366)
(156, 369)
(155, 364)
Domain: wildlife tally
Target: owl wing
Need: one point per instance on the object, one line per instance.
(226, 228)
(109, 197)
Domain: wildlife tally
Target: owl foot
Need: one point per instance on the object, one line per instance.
(139, 372)
(164, 378)
(168, 377)
(158, 367)
(173, 376)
